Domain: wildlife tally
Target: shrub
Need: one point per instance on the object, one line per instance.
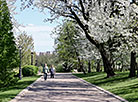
(29, 70)
(8, 79)
(59, 68)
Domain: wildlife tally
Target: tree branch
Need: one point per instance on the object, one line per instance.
(85, 29)
(83, 10)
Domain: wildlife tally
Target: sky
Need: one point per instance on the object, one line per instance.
(33, 20)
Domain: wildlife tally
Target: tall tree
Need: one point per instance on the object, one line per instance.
(8, 51)
(73, 46)
(133, 38)
(68, 44)
(27, 46)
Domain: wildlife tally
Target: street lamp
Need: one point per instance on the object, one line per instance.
(32, 58)
(36, 62)
(20, 69)
(89, 66)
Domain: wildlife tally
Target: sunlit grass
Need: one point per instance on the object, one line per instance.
(8, 93)
(120, 84)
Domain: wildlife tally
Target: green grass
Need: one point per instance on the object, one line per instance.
(120, 84)
(8, 93)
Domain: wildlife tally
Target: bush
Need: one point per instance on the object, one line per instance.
(8, 79)
(59, 68)
(29, 70)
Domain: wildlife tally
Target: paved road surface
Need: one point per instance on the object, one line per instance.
(65, 88)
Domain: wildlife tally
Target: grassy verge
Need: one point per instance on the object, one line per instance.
(120, 84)
(8, 93)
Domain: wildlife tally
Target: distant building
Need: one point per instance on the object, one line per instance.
(46, 53)
(41, 53)
(54, 52)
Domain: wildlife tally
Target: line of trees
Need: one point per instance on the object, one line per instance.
(109, 25)
(70, 47)
(49, 59)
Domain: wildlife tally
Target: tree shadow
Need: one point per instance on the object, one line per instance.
(120, 90)
(56, 89)
(11, 91)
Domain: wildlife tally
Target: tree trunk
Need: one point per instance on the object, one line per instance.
(137, 73)
(81, 66)
(133, 65)
(98, 65)
(137, 69)
(107, 64)
(89, 66)
(122, 62)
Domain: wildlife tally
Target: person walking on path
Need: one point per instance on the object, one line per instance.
(52, 71)
(45, 71)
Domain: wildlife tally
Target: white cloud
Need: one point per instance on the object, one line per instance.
(41, 35)
(34, 28)
(30, 25)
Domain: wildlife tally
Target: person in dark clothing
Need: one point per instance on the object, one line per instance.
(52, 71)
(45, 71)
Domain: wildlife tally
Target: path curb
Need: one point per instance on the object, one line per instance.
(23, 91)
(101, 89)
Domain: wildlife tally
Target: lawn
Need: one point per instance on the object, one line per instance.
(120, 84)
(8, 93)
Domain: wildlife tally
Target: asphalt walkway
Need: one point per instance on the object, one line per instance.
(65, 88)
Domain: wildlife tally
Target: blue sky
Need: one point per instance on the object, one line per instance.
(34, 26)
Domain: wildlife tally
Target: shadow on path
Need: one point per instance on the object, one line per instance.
(64, 88)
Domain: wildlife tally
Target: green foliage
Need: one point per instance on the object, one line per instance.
(8, 79)
(8, 93)
(40, 69)
(49, 59)
(68, 43)
(120, 84)
(29, 70)
(8, 52)
(59, 68)
(27, 45)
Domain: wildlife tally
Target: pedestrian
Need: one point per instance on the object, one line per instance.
(45, 71)
(52, 71)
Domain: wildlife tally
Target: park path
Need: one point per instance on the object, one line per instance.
(65, 88)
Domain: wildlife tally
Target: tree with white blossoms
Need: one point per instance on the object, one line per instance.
(129, 34)
(132, 37)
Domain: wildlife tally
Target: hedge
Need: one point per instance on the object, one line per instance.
(29, 70)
